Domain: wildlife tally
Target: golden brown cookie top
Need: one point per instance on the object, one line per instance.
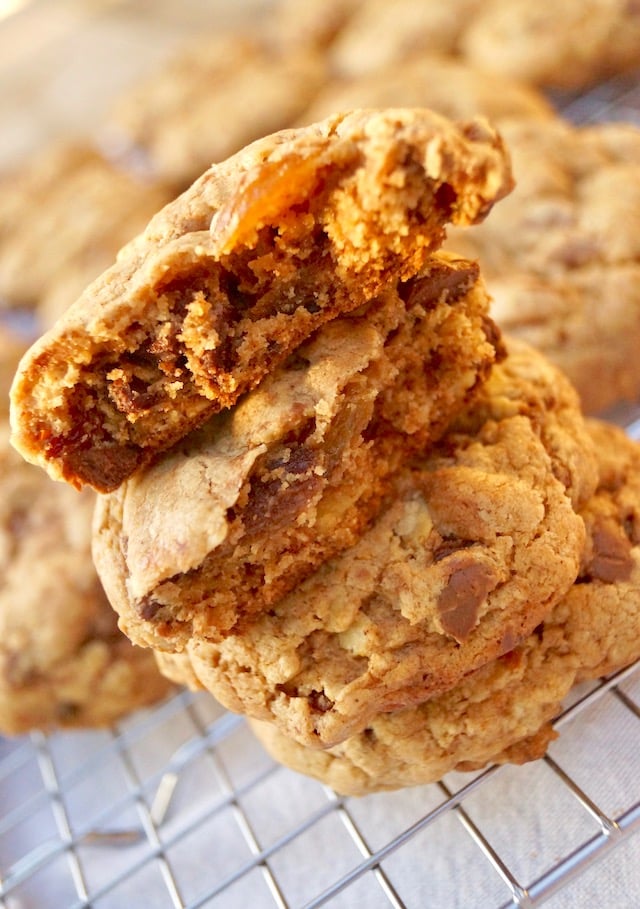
(237, 272)
(479, 542)
(606, 592)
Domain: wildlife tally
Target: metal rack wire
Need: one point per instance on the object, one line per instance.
(180, 807)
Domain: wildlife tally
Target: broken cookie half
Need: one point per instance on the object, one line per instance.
(235, 274)
(241, 510)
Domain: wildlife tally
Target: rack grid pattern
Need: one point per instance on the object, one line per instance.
(179, 806)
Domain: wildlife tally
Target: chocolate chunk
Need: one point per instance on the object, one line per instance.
(460, 600)
(319, 701)
(103, 468)
(441, 281)
(611, 560)
(147, 608)
(275, 502)
(67, 710)
(509, 641)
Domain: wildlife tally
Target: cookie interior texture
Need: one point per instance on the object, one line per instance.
(243, 509)
(237, 272)
(503, 712)
(476, 545)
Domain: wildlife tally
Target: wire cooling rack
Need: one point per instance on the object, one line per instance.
(180, 807)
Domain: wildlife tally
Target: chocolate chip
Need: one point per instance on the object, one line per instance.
(611, 560)
(509, 640)
(441, 281)
(104, 467)
(147, 608)
(446, 197)
(67, 711)
(466, 590)
(274, 503)
(319, 702)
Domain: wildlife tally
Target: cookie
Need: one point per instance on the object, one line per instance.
(238, 513)
(533, 44)
(379, 35)
(569, 44)
(313, 24)
(215, 96)
(64, 214)
(503, 712)
(444, 84)
(236, 273)
(562, 255)
(66, 665)
(63, 661)
(479, 540)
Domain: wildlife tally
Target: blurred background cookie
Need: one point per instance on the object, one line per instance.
(379, 35)
(554, 43)
(64, 214)
(535, 44)
(445, 84)
(561, 256)
(219, 94)
(313, 24)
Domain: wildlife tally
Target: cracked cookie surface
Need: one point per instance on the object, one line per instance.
(235, 274)
(479, 540)
(504, 711)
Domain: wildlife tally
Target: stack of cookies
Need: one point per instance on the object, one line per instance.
(330, 492)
